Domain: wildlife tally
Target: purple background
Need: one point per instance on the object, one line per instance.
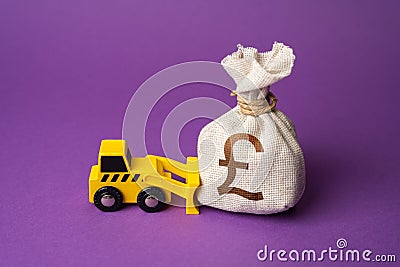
(69, 68)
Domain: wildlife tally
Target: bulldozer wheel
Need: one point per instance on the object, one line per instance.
(151, 199)
(108, 199)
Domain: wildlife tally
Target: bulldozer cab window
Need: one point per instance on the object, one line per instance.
(113, 164)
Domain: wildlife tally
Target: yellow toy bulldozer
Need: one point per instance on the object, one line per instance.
(119, 178)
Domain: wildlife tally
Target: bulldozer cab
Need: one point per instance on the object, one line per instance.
(114, 157)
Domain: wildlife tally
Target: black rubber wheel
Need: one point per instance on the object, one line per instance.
(108, 199)
(151, 199)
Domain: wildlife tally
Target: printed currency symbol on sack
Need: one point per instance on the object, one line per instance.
(232, 165)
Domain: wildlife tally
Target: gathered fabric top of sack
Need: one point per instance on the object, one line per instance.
(253, 71)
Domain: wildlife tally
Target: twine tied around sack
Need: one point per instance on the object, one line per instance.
(240, 50)
(256, 107)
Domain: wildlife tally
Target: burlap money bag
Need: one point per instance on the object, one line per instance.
(249, 158)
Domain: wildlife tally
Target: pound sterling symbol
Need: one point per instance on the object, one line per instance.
(232, 165)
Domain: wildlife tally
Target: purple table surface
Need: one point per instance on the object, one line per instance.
(69, 68)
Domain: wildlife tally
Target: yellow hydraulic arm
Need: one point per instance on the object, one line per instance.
(188, 171)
